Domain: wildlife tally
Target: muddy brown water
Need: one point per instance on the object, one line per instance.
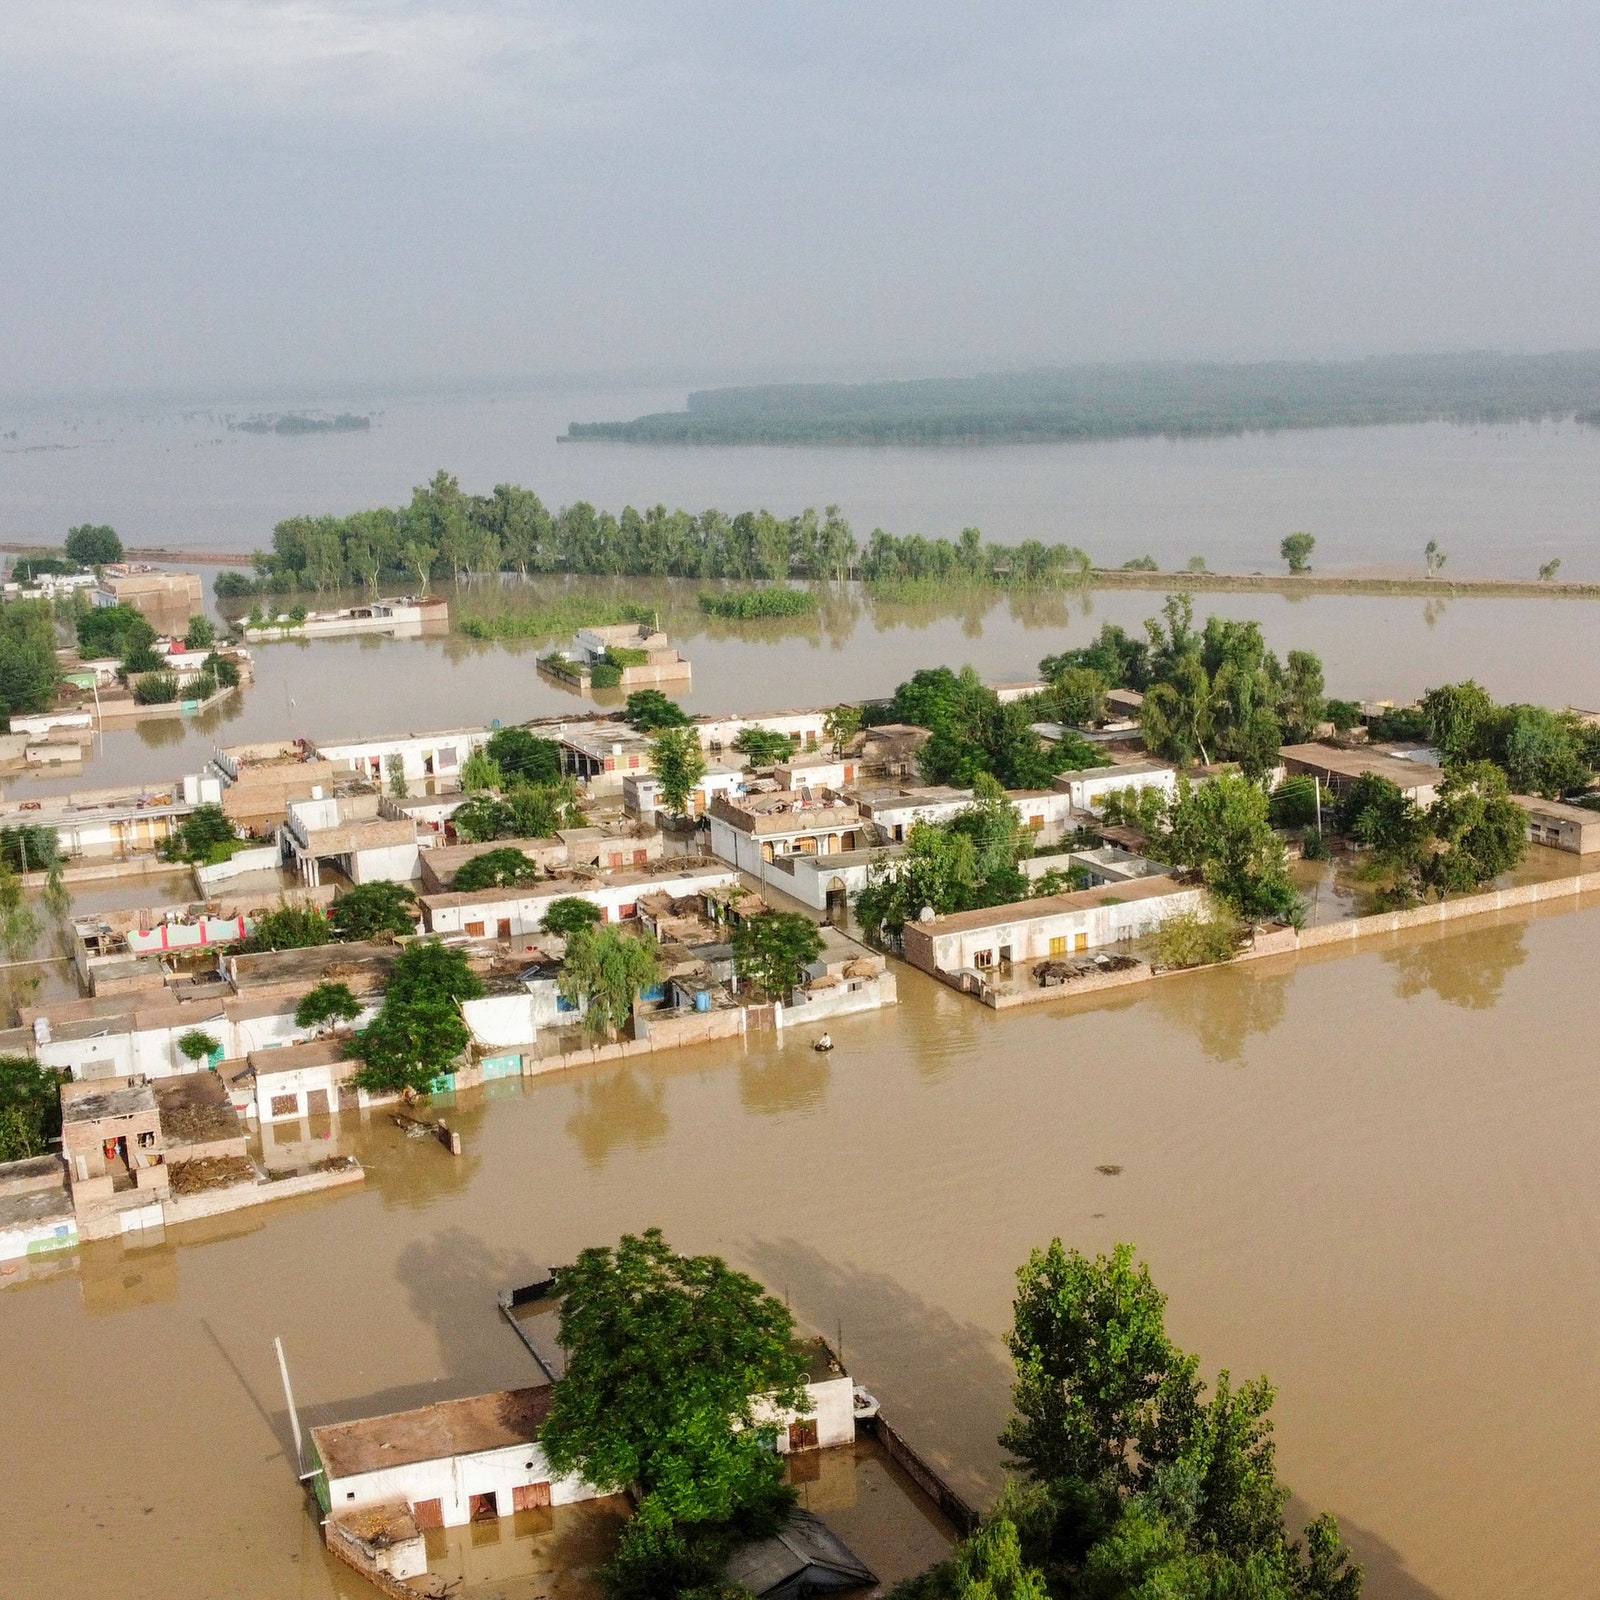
(1370, 1176)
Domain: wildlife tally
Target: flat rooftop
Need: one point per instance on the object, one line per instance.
(195, 1109)
(1343, 763)
(1053, 905)
(1122, 769)
(433, 1433)
(1559, 809)
(105, 1097)
(663, 870)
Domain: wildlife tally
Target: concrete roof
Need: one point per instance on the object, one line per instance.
(1053, 905)
(660, 871)
(1124, 769)
(1559, 809)
(105, 1097)
(433, 1433)
(195, 1109)
(1357, 763)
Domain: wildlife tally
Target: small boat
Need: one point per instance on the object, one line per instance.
(824, 1043)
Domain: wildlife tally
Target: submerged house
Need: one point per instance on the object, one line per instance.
(452, 1463)
(804, 1557)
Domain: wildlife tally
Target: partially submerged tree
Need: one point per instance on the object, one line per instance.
(287, 927)
(773, 950)
(841, 725)
(667, 1356)
(608, 970)
(649, 709)
(1480, 832)
(419, 1030)
(1221, 829)
(93, 544)
(1296, 550)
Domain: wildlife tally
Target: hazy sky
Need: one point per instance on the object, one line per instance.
(235, 192)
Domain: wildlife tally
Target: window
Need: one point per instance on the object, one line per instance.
(983, 958)
(1036, 823)
(474, 930)
(285, 1105)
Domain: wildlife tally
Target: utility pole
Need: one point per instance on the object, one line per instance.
(294, 1416)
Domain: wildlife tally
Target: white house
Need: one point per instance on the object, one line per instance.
(1057, 925)
(456, 1462)
(641, 791)
(422, 756)
(1045, 813)
(896, 810)
(1087, 789)
(805, 729)
(348, 831)
(756, 829)
(518, 911)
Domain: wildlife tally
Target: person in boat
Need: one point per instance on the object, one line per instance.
(824, 1042)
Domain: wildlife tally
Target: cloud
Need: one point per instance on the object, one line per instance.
(336, 59)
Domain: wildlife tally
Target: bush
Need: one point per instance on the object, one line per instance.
(201, 635)
(1314, 847)
(223, 670)
(204, 835)
(564, 917)
(525, 757)
(649, 709)
(288, 927)
(762, 747)
(1190, 940)
(30, 1107)
(620, 656)
(374, 911)
(743, 604)
(30, 567)
(156, 689)
(1343, 714)
(605, 675)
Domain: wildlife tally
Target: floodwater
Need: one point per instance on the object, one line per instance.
(1545, 651)
(1370, 1176)
(1499, 500)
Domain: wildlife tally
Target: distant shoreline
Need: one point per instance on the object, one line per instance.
(1309, 583)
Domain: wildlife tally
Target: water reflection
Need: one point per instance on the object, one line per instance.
(452, 1279)
(1222, 1009)
(1463, 969)
(783, 1080)
(625, 1107)
(1433, 610)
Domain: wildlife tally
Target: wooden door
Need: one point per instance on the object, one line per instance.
(482, 1508)
(803, 1434)
(429, 1513)
(504, 928)
(316, 1102)
(530, 1496)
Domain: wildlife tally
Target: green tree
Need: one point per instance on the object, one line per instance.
(201, 634)
(667, 1356)
(205, 835)
(1378, 814)
(538, 810)
(30, 1107)
(567, 915)
(1543, 751)
(106, 631)
(93, 544)
(419, 1030)
(1221, 829)
(1078, 696)
(395, 766)
(327, 1002)
(494, 869)
(287, 927)
(1122, 660)
(197, 1045)
(1433, 558)
(481, 818)
(773, 950)
(938, 870)
(1296, 550)
(649, 709)
(28, 666)
(763, 747)
(999, 841)
(1461, 720)
(679, 764)
(479, 773)
(841, 725)
(374, 911)
(1480, 832)
(524, 757)
(608, 969)
(1304, 704)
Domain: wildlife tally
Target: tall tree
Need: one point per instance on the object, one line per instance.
(679, 764)
(773, 950)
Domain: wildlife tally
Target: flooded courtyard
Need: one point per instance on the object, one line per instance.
(1370, 1176)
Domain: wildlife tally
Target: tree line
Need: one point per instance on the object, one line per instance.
(445, 532)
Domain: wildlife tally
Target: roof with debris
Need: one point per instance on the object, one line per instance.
(433, 1433)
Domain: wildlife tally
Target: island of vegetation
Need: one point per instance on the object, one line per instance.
(1129, 401)
(296, 422)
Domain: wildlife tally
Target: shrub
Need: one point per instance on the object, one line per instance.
(1343, 714)
(156, 689)
(201, 634)
(112, 631)
(1294, 803)
(1191, 940)
(605, 675)
(649, 709)
(373, 911)
(287, 927)
(620, 656)
(743, 604)
(525, 757)
(223, 670)
(564, 917)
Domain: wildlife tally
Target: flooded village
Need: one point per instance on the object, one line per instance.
(248, 941)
